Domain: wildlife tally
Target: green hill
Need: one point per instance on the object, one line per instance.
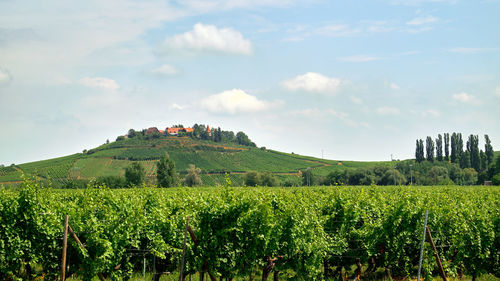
(214, 158)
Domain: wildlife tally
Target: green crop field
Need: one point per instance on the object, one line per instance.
(312, 231)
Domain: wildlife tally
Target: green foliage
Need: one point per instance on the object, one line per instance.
(307, 177)
(496, 179)
(134, 174)
(252, 178)
(439, 148)
(419, 151)
(165, 172)
(429, 149)
(268, 179)
(238, 227)
(112, 181)
(243, 139)
(470, 176)
(335, 178)
(446, 146)
(488, 149)
(193, 176)
(473, 152)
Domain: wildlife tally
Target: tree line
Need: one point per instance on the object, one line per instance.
(454, 152)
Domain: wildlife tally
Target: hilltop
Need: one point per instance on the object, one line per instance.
(215, 158)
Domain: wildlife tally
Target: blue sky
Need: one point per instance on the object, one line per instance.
(358, 80)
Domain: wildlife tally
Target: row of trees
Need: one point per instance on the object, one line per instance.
(471, 157)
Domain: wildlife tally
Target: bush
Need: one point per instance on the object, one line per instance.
(193, 176)
(252, 178)
(268, 179)
(496, 179)
(135, 174)
(112, 181)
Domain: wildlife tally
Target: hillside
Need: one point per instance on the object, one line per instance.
(213, 158)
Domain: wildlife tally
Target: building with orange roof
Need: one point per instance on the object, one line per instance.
(152, 130)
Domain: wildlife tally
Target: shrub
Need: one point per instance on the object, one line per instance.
(496, 179)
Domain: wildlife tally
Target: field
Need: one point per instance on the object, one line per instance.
(213, 159)
(312, 231)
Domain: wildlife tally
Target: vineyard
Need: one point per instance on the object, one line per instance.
(212, 158)
(299, 233)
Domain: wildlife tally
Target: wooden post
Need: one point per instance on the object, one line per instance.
(75, 237)
(436, 254)
(388, 274)
(65, 247)
(101, 277)
(357, 272)
(181, 273)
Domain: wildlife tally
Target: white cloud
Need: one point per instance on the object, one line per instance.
(209, 38)
(5, 77)
(394, 86)
(379, 26)
(466, 98)
(235, 101)
(356, 100)
(358, 58)
(422, 21)
(165, 70)
(386, 110)
(337, 30)
(312, 82)
(431, 113)
(177, 107)
(468, 51)
(316, 113)
(99, 82)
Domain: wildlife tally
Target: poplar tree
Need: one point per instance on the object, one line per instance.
(454, 148)
(429, 148)
(419, 151)
(473, 150)
(446, 146)
(484, 161)
(460, 147)
(488, 150)
(439, 148)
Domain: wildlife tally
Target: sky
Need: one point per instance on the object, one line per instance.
(344, 80)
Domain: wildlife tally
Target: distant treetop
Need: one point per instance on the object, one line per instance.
(197, 131)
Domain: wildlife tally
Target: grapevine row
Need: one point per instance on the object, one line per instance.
(311, 230)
